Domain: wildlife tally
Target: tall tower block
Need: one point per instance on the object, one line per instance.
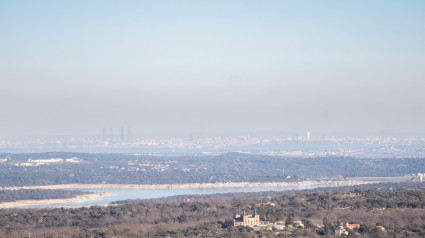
(104, 135)
(122, 134)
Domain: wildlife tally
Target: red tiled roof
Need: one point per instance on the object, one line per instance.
(354, 225)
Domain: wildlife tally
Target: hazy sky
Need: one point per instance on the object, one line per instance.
(219, 67)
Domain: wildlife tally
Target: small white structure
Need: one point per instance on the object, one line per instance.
(341, 231)
(298, 224)
(73, 160)
(46, 161)
(280, 225)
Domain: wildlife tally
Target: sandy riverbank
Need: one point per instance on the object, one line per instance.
(199, 185)
(64, 201)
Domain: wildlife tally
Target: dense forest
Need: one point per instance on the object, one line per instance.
(401, 213)
(231, 167)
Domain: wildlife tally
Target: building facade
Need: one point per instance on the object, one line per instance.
(246, 220)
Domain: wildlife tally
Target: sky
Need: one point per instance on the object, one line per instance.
(217, 67)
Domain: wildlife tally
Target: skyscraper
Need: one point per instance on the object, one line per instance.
(111, 135)
(104, 135)
(122, 134)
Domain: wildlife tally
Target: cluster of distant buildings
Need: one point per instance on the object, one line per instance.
(342, 230)
(124, 136)
(306, 145)
(254, 221)
(37, 162)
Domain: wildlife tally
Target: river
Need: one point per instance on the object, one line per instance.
(124, 194)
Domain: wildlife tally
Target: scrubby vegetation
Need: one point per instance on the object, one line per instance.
(401, 213)
(231, 167)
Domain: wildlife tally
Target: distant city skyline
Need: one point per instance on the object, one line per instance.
(212, 68)
(300, 146)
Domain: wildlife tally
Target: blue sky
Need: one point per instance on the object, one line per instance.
(212, 67)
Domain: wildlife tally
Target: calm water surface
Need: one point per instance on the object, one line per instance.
(124, 194)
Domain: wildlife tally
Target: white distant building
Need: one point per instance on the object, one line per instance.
(280, 225)
(341, 231)
(73, 160)
(45, 161)
(308, 135)
(25, 164)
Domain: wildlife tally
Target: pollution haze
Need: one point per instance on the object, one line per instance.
(212, 67)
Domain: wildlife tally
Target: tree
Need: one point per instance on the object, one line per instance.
(289, 220)
(327, 226)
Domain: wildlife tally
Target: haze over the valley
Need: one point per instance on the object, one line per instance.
(212, 68)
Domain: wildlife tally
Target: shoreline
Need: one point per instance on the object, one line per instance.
(97, 196)
(59, 201)
(195, 185)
